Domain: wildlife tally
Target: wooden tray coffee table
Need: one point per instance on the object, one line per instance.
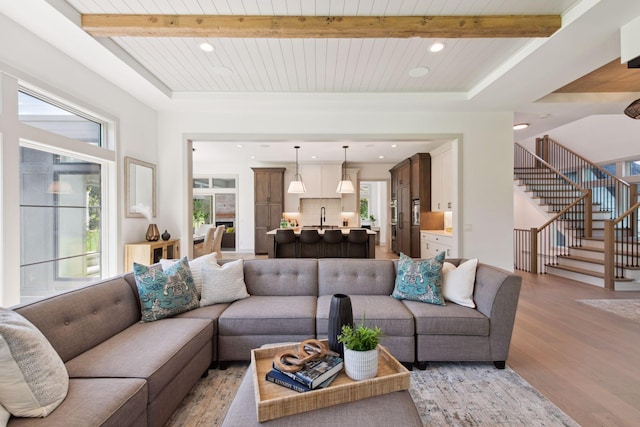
(274, 401)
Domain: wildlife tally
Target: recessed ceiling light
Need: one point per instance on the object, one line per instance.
(253, 157)
(239, 145)
(381, 157)
(314, 157)
(436, 47)
(520, 126)
(418, 72)
(206, 47)
(394, 145)
(222, 71)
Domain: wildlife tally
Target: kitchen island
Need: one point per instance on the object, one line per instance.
(331, 251)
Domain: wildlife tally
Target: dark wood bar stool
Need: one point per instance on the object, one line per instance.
(284, 244)
(309, 239)
(358, 238)
(332, 238)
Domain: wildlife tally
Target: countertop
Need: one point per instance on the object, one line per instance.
(439, 232)
(321, 232)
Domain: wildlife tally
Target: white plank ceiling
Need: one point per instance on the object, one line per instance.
(319, 65)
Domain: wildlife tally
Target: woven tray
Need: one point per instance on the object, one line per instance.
(274, 401)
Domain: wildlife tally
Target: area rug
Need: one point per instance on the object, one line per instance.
(446, 394)
(627, 308)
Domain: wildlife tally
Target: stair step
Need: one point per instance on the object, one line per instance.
(585, 272)
(586, 277)
(595, 261)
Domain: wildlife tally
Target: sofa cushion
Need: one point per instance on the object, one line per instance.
(281, 277)
(458, 282)
(169, 345)
(451, 319)
(212, 312)
(196, 268)
(223, 283)
(106, 402)
(33, 379)
(165, 293)
(82, 318)
(389, 314)
(269, 315)
(419, 280)
(355, 276)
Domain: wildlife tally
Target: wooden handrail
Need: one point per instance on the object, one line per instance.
(563, 211)
(549, 166)
(606, 172)
(626, 213)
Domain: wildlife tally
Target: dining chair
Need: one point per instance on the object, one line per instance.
(206, 247)
(217, 241)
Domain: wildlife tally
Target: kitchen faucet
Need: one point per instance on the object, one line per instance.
(323, 218)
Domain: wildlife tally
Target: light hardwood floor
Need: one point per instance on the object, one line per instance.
(583, 359)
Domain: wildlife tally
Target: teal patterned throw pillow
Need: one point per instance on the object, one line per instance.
(420, 280)
(165, 293)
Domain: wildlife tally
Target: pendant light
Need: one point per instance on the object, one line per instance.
(296, 185)
(633, 110)
(345, 185)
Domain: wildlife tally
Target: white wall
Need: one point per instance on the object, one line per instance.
(485, 159)
(599, 138)
(28, 58)
(525, 213)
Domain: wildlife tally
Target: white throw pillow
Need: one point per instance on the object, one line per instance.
(196, 268)
(223, 283)
(33, 378)
(458, 283)
(4, 416)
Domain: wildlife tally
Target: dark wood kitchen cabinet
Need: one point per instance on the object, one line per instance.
(269, 204)
(410, 184)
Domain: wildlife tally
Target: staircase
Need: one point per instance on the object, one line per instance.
(572, 243)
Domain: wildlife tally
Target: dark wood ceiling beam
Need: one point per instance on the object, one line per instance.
(237, 26)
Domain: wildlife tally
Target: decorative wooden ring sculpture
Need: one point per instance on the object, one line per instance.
(308, 350)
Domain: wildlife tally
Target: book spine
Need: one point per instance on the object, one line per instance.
(301, 380)
(292, 385)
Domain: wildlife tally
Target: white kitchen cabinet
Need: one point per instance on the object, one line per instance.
(441, 182)
(434, 242)
(321, 181)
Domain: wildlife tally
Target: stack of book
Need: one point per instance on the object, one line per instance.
(314, 374)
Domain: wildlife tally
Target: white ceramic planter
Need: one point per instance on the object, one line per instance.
(361, 365)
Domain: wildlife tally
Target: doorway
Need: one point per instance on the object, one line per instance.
(374, 208)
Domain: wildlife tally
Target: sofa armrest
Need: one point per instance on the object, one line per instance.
(496, 296)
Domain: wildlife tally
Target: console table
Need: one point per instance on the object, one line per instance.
(148, 253)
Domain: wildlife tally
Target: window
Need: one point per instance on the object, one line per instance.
(634, 167)
(61, 212)
(46, 115)
(63, 198)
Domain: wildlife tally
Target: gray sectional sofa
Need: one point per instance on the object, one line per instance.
(126, 373)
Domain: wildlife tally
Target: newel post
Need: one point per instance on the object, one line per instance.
(588, 214)
(533, 255)
(609, 256)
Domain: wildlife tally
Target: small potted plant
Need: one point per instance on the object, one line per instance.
(360, 350)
